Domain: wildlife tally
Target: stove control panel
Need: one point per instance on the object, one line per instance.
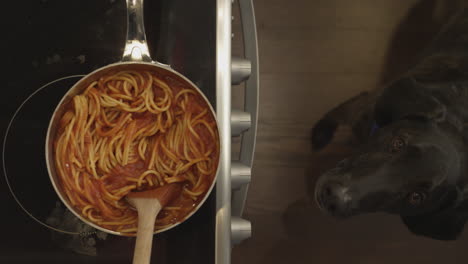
(244, 70)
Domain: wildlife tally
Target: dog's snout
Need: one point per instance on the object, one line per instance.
(343, 164)
(334, 198)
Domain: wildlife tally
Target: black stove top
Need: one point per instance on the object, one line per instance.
(47, 46)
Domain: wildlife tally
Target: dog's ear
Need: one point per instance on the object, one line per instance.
(445, 224)
(405, 98)
(356, 112)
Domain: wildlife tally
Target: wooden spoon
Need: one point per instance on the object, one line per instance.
(148, 204)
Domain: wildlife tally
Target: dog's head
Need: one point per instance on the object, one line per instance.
(410, 168)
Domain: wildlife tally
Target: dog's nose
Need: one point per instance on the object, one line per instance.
(334, 198)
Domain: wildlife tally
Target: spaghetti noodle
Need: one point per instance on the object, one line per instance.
(131, 131)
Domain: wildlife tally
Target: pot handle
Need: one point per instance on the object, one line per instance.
(136, 48)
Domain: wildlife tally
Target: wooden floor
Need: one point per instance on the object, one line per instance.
(315, 54)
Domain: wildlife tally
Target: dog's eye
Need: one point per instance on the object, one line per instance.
(416, 198)
(397, 144)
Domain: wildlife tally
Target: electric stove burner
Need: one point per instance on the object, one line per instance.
(27, 178)
(24, 160)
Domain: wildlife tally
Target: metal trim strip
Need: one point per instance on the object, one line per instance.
(223, 111)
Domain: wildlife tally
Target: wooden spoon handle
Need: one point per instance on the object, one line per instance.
(147, 213)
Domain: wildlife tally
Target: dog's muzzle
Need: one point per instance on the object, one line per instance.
(334, 198)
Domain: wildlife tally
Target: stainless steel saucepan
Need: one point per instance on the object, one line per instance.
(135, 57)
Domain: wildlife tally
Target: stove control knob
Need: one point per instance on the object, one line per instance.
(240, 70)
(240, 174)
(240, 121)
(241, 229)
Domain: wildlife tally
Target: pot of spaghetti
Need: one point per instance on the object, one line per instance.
(132, 126)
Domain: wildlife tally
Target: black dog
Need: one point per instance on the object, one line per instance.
(415, 161)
